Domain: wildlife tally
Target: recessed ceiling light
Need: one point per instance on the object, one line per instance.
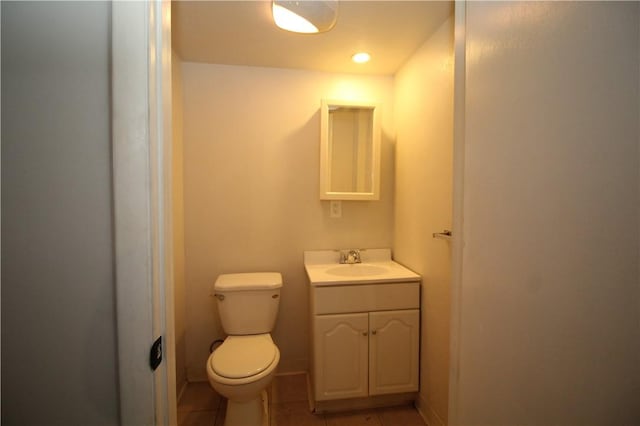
(361, 57)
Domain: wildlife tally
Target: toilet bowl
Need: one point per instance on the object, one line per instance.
(240, 370)
(242, 367)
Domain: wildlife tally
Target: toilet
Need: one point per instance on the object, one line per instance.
(243, 366)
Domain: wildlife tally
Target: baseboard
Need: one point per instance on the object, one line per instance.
(427, 413)
(293, 366)
(290, 373)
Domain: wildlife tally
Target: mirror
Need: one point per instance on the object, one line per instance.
(349, 150)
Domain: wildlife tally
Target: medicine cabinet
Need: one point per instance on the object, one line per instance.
(349, 150)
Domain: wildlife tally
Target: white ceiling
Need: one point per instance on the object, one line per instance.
(243, 33)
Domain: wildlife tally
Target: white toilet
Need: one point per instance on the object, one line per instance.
(242, 367)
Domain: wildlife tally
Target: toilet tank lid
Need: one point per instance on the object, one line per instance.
(248, 281)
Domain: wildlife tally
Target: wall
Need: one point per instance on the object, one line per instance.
(550, 325)
(251, 150)
(424, 126)
(178, 223)
(58, 313)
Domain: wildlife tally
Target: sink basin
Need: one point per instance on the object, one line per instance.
(356, 270)
(377, 266)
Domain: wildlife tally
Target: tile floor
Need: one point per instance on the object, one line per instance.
(201, 406)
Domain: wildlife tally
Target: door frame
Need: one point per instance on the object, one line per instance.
(141, 165)
(141, 144)
(459, 123)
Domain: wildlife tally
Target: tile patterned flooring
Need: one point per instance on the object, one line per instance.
(201, 406)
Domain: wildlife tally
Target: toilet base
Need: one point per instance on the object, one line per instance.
(254, 412)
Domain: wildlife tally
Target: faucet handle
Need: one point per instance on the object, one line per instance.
(350, 256)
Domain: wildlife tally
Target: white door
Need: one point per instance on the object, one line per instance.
(340, 351)
(141, 143)
(393, 351)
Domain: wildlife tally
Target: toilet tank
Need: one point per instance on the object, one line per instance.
(248, 303)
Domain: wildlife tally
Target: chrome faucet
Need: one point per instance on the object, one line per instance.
(350, 256)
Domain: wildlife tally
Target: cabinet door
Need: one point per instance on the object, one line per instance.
(340, 354)
(394, 348)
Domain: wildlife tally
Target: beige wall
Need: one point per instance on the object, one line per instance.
(424, 126)
(251, 150)
(550, 325)
(178, 223)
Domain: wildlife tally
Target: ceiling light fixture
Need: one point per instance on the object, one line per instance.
(361, 57)
(305, 16)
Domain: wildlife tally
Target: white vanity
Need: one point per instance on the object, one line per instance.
(365, 330)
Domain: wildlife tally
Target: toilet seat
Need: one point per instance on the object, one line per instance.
(242, 357)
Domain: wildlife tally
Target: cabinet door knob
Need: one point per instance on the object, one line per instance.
(364, 333)
(374, 332)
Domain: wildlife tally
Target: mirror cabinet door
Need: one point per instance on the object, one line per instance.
(350, 151)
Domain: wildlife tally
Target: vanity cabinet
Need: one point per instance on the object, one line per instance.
(357, 355)
(365, 340)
